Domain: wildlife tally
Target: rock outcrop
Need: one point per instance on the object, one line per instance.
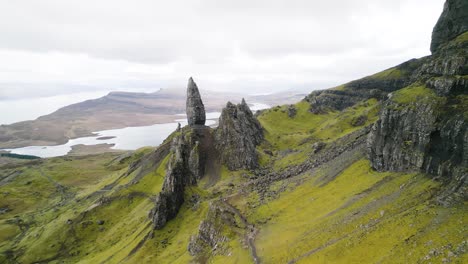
(210, 237)
(423, 136)
(452, 22)
(237, 136)
(194, 106)
(196, 150)
(400, 138)
(186, 166)
(429, 132)
(376, 86)
(324, 101)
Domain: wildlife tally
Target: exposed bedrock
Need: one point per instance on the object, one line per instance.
(237, 136)
(190, 149)
(452, 22)
(194, 106)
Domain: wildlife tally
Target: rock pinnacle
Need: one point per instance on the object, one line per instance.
(194, 106)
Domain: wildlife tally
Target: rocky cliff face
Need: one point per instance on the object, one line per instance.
(194, 106)
(452, 22)
(425, 136)
(399, 139)
(424, 126)
(237, 136)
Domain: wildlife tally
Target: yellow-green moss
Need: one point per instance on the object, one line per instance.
(461, 38)
(292, 138)
(413, 94)
(392, 73)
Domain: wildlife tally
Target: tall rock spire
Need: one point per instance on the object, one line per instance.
(194, 106)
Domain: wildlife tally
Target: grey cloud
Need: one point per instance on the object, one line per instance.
(259, 45)
(165, 31)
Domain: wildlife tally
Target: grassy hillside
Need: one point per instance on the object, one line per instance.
(93, 209)
(314, 199)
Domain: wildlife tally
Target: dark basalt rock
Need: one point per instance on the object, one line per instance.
(186, 166)
(292, 111)
(194, 106)
(452, 22)
(430, 134)
(444, 86)
(399, 139)
(210, 232)
(237, 136)
(328, 100)
(421, 137)
(359, 121)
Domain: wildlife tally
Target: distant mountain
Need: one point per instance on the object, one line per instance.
(118, 110)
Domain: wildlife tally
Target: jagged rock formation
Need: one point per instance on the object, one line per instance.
(237, 136)
(186, 167)
(194, 106)
(194, 150)
(190, 148)
(452, 22)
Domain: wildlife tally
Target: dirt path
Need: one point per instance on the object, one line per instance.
(251, 233)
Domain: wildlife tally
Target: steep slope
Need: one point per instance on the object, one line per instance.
(373, 171)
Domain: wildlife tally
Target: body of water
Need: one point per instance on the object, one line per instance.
(129, 138)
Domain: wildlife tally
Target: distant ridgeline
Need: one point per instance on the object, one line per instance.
(19, 156)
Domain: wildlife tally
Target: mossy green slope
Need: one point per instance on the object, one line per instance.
(94, 209)
(359, 216)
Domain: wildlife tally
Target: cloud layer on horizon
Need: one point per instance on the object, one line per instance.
(55, 47)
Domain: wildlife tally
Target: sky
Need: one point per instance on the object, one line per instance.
(56, 47)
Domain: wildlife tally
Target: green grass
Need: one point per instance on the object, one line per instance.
(296, 135)
(356, 218)
(392, 73)
(461, 38)
(412, 94)
(284, 132)
(151, 183)
(359, 216)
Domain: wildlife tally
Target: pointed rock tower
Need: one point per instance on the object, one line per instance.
(237, 136)
(194, 106)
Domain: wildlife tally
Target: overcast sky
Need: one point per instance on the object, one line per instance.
(53, 47)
